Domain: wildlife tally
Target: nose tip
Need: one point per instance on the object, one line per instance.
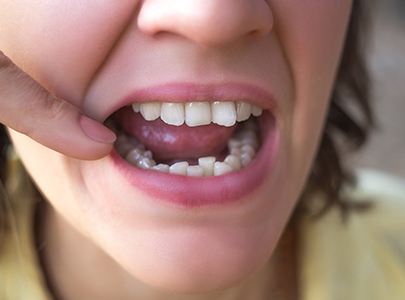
(206, 22)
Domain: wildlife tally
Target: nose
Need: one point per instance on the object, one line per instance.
(206, 22)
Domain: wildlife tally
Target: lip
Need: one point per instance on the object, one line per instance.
(192, 192)
(186, 92)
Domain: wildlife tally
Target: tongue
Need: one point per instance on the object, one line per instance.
(175, 142)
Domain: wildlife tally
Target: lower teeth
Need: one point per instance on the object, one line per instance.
(242, 148)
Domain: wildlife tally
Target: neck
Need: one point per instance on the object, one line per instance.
(86, 272)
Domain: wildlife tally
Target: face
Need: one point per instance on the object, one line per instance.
(279, 56)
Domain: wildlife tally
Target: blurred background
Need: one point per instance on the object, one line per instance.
(386, 148)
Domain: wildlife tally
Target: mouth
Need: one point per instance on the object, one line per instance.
(195, 142)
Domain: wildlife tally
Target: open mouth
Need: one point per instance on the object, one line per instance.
(195, 139)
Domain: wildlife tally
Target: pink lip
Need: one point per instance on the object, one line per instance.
(190, 192)
(184, 92)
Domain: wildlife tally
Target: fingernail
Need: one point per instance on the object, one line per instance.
(96, 131)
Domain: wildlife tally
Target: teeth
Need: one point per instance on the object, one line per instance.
(223, 113)
(221, 168)
(173, 113)
(207, 164)
(242, 148)
(150, 111)
(195, 171)
(162, 168)
(243, 111)
(256, 111)
(233, 161)
(198, 113)
(179, 168)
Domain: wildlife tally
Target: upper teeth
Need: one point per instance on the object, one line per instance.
(225, 113)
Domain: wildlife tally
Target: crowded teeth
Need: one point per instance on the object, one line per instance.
(195, 171)
(201, 113)
(207, 164)
(173, 113)
(242, 148)
(198, 113)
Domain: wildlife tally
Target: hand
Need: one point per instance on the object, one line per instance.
(29, 108)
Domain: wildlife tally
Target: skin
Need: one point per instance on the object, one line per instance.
(92, 52)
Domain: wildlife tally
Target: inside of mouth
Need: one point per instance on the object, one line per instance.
(202, 151)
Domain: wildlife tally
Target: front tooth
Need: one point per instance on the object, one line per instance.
(243, 111)
(172, 113)
(256, 111)
(223, 113)
(150, 111)
(207, 164)
(179, 168)
(233, 161)
(195, 171)
(221, 168)
(198, 113)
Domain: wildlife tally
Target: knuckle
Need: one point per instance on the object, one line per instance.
(55, 109)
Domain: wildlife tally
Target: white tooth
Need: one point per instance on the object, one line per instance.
(207, 163)
(150, 111)
(134, 156)
(195, 171)
(145, 163)
(173, 113)
(136, 107)
(162, 168)
(179, 168)
(256, 110)
(221, 168)
(198, 113)
(245, 159)
(243, 111)
(249, 150)
(233, 161)
(251, 141)
(223, 113)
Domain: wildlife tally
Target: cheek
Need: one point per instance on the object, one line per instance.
(76, 37)
(312, 36)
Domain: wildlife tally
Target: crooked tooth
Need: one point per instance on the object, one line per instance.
(233, 161)
(150, 111)
(223, 113)
(198, 113)
(172, 113)
(179, 168)
(243, 111)
(195, 171)
(221, 168)
(256, 111)
(161, 168)
(207, 164)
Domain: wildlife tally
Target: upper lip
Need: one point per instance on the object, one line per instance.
(192, 92)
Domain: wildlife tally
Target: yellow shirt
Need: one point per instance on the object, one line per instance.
(362, 260)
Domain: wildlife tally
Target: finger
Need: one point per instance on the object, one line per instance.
(28, 108)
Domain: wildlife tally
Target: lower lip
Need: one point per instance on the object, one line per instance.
(192, 192)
